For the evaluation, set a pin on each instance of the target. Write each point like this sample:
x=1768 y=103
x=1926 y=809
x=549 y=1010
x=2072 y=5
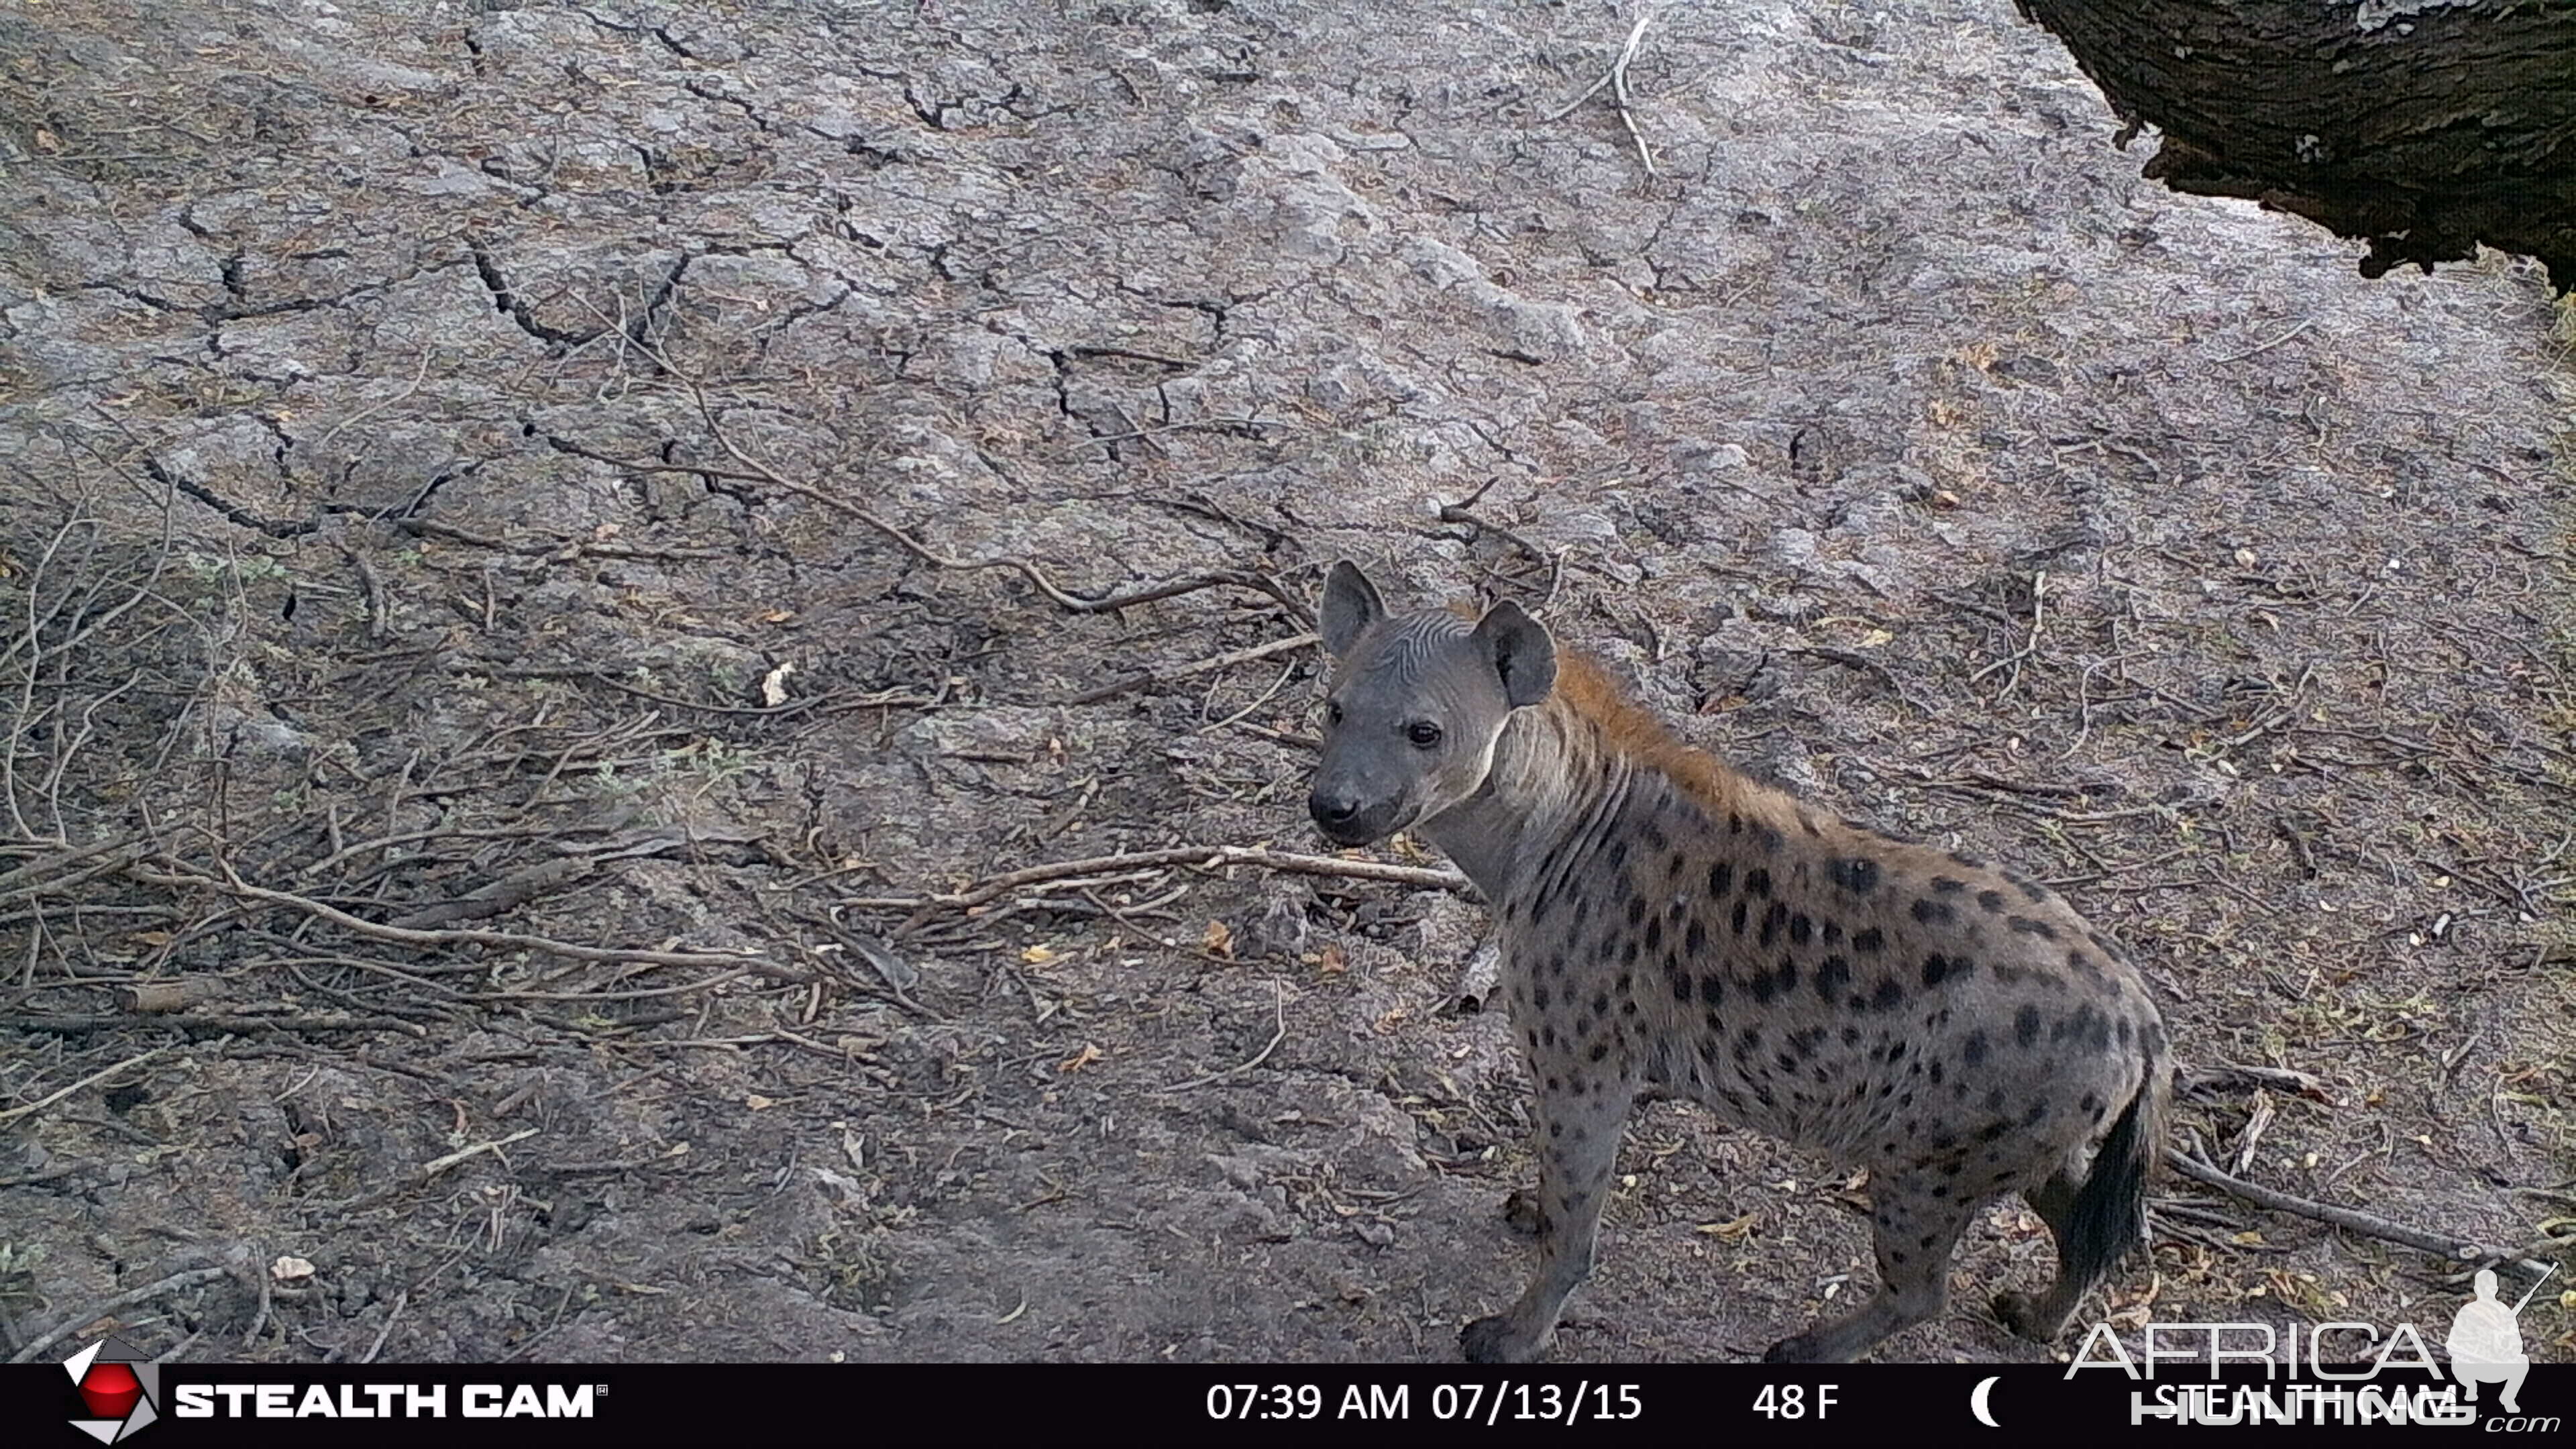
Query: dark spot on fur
x=1888 y=994
x=1628 y=953
x=1695 y=939
x=2124 y=1031
x=1712 y=989
x=1757 y=881
x=1600 y=1049
x=1748 y=1041
x=1547 y=1035
x=1538 y=998
x=1734 y=824
x=1928 y=910
x=1973 y=1051
x=1770 y=840
x=2028 y=927
x=1936 y=969
x=1851 y=1036
x=1772 y=920
x=1655 y=935
x=1853 y=873
x=1601 y=1003
x=1948 y=885
x=1991 y=901
x=1993 y=1130
x=1832 y=975
x=1681 y=984
x=1721 y=879
x=1801 y=930
x=2026 y=1026
x=2038 y=893
x=1737 y=918
x=1967 y=862
x=1636 y=909
x=1936 y=1071
x=1830 y=933
x=2035 y=1114
x=1872 y=939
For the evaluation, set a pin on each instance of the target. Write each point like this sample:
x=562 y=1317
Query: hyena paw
x=1495 y=1340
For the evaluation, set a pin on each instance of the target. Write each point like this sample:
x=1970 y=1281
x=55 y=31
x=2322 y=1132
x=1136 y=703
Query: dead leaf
x=759 y=1103
x=773 y=689
x=1219 y=940
x=1733 y=1232
x=1081 y=1059
x=290 y=1270
x=1036 y=956
x=1336 y=960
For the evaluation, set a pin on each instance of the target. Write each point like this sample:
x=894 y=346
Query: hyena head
x=1418 y=699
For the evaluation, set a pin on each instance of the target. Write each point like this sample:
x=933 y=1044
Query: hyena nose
x=1332 y=809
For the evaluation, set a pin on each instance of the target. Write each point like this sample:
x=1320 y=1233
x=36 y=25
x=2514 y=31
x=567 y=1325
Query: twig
x=502 y=940
x=1177 y=855
x=2014 y=660
x=2456 y=1249
x=1616 y=78
x=364 y=413
x=2265 y=346
x=14 y=1113
x=1222 y=661
x=149 y=1291
x=378 y=1346
x=423 y=1173
x=1279 y=992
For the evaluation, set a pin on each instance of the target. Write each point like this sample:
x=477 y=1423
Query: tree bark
x=2424 y=126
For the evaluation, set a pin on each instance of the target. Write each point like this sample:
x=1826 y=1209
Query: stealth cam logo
x=120 y=1387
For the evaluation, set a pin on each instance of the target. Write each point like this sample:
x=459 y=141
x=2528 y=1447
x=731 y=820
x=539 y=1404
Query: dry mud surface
x=453 y=460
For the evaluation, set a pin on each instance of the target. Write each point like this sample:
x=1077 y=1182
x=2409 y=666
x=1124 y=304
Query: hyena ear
x=1351 y=604
x=1523 y=653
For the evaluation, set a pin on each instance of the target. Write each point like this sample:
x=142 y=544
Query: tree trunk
x=2425 y=126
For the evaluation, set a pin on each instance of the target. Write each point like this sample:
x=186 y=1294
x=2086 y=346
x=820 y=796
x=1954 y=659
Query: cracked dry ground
x=1894 y=438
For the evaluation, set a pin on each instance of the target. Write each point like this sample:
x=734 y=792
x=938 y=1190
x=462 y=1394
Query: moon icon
x=1977 y=1401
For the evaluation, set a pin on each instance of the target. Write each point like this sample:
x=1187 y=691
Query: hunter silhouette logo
x=2486 y=1341
x=120 y=1386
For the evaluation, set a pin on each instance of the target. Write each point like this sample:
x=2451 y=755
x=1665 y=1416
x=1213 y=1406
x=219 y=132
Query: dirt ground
x=495 y=511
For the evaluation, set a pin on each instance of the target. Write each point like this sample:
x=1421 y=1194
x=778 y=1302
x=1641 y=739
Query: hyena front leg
x=1582 y=1105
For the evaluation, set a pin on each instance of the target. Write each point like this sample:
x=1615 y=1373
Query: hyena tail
x=2109 y=1214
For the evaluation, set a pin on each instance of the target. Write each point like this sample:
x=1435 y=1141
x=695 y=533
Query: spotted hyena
x=1667 y=924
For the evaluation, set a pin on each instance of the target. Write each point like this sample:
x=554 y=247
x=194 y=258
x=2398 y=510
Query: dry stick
x=1617 y=79
x=2455 y=1249
x=1279 y=1003
x=420 y=1175
x=378 y=1346
x=1178 y=855
x=1222 y=661
x=14 y=1113
x=149 y=1291
x=504 y=940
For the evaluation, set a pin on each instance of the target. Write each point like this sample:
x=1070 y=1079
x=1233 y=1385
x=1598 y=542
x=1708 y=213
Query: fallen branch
x=1280 y=860
x=14 y=1113
x=2456 y=1249
x=235 y=886
x=87 y=1316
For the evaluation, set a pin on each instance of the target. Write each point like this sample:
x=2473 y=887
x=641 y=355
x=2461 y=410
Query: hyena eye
x=1423 y=733
x=1332 y=712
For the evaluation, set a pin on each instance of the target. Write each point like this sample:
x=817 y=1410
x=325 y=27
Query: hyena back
x=1666 y=923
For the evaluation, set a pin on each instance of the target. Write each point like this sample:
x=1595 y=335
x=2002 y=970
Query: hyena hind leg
x=1914 y=1234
